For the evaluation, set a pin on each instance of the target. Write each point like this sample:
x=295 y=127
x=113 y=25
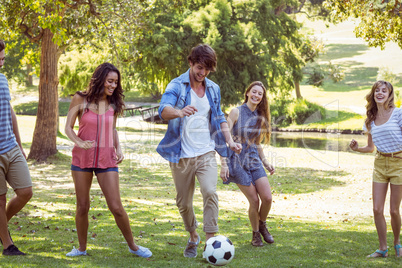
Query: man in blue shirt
x=197 y=128
x=13 y=166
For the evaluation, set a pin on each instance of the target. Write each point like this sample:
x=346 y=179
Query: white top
x=196 y=137
x=388 y=136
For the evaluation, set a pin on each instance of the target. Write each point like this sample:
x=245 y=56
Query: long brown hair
x=96 y=89
x=264 y=116
x=371 y=106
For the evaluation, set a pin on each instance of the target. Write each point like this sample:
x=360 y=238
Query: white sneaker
x=141 y=252
x=76 y=252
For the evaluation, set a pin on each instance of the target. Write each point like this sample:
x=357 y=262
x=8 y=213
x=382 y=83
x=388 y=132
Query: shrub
x=304 y=112
x=279 y=113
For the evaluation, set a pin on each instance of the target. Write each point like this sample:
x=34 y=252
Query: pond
x=316 y=141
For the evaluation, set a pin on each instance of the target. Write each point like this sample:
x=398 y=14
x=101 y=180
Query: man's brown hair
x=205 y=55
x=2 y=45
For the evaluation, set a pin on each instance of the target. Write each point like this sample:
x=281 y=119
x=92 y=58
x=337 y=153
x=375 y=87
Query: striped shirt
x=388 y=136
x=7 y=137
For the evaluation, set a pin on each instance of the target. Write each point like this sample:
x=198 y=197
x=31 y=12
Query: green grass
x=136 y=96
x=45 y=228
x=31 y=108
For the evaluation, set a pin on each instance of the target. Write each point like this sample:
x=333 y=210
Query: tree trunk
x=297 y=87
x=29 y=81
x=45 y=133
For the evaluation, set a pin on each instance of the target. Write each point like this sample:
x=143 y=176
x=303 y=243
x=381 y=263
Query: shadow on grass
x=339 y=51
x=297 y=243
x=356 y=78
x=304 y=180
x=45 y=228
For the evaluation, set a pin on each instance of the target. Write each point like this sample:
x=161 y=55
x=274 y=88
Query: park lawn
x=45 y=228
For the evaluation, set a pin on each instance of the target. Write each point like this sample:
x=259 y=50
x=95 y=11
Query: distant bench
x=148 y=114
x=133 y=110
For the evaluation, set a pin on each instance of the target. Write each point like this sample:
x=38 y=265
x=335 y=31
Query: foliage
x=76 y=68
x=379 y=21
x=55 y=25
x=386 y=74
x=254 y=40
x=304 y=112
x=319 y=72
x=279 y=112
x=20 y=53
x=31 y=108
x=300 y=111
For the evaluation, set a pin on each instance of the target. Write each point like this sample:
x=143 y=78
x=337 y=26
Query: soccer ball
x=219 y=250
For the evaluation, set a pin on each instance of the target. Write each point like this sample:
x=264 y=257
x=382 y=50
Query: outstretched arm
x=227 y=127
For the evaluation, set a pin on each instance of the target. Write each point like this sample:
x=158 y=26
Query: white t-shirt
x=196 y=136
x=388 y=136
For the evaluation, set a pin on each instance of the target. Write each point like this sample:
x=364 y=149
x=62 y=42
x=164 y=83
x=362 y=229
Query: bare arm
x=116 y=143
x=226 y=129
x=169 y=112
x=76 y=107
x=369 y=148
x=264 y=161
x=15 y=130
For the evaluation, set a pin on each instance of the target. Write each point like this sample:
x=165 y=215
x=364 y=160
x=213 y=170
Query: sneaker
x=191 y=248
x=76 y=252
x=141 y=252
x=12 y=251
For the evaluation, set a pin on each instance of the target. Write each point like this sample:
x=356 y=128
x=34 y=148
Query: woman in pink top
x=97 y=150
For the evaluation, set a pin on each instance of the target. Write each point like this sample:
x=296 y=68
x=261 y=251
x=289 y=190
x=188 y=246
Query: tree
x=20 y=60
x=55 y=25
x=380 y=20
x=253 y=39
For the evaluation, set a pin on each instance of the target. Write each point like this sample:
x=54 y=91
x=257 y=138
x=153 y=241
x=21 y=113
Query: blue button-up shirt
x=177 y=95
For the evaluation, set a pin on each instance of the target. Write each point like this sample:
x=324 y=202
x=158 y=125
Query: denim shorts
x=94 y=170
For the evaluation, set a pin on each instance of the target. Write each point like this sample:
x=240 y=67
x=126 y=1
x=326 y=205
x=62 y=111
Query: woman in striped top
x=384 y=128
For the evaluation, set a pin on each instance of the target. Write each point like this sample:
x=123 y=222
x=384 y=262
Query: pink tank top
x=98 y=128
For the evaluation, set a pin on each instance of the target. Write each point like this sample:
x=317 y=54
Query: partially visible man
x=13 y=165
x=197 y=127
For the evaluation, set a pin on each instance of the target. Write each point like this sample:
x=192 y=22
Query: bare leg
x=82 y=183
x=18 y=201
x=207 y=236
x=109 y=183
x=264 y=191
x=5 y=238
x=253 y=212
x=395 y=203
x=379 y=194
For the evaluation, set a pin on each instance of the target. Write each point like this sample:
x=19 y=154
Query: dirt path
x=345 y=202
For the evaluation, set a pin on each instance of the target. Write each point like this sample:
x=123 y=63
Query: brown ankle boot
x=257 y=242
x=265 y=233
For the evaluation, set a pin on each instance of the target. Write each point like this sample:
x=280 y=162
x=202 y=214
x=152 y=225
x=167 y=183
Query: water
x=316 y=141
